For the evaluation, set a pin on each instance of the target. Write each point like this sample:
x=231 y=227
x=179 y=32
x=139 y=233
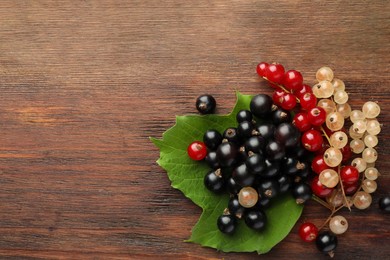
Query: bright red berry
x=312 y=140
x=293 y=80
x=308 y=101
x=261 y=68
x=197 y=150
x=318 y=189
x=350 y=189
x=301 y=121
x=275 y=73
x=317 y=116
x=318 y=164
x=277 y=97
x=349 y=175
x=289 y=101
x=346 y=152
x=304 y=89
x=308 y=232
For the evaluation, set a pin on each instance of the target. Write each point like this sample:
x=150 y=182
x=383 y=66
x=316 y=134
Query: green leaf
x=187 y=176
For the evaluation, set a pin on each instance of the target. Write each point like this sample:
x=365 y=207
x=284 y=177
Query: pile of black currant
x=255 y=161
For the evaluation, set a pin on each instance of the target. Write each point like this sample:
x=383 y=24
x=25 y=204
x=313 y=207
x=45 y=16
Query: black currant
x=268 y=188
x=326 y=242
x=232 y=186
x=235 y=207
x=272 y=169
x=280 y=116
x=304 y=170
x=297 y=151
x=384 y=203
x=289 y=165
x=244 y=115
x=266 y=130
x=231 y=135
x=287 y=134
x=242 y=176
x=212 y=139
x=274 y=150
x=227 y=224
x=226 y=154
x=212 y=160
x=244 y=129
x=214 y=181
x=264 y=202
x=302 y=192
x=256 y=219
x=261 y=105
x=206 y=104
x=284 y=183
x=255 y=144
x=255 y=163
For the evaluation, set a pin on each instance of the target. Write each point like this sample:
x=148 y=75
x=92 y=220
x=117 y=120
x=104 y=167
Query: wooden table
x=83 y=84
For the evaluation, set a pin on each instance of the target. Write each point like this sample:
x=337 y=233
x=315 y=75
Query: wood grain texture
x=83 y=84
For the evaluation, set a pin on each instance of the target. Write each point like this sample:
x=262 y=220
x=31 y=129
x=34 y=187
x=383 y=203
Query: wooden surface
x=83 y=84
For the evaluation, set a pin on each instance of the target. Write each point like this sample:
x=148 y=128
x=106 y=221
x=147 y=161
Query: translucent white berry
x=338 y=225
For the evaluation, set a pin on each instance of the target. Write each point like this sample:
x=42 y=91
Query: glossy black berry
x=235 y=207
x=227 y=224
x=268 y=188
x=302 y=192
x=226 y=154
x=261 y=105
x=244 y=129
x=242 y=176
x=256 y=163
x=205 y=104
x=272 y=169
x=287 y=134
x=264 y=202
x=284 y=183
x=212 y=160
x=266 y=130
x=256 y=219
x=384 y=204
x=212 y=139
x=326 y=242
x=274 y=150
x=304 y=170
x=232 y=186
x=244 y=115
x=290 y=165
x=280 y=116
x=214 y=181
x=255 y=144
x=231 y=135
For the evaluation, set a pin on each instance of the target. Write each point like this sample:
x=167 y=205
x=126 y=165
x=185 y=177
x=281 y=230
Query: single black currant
x=290 y=165
x=287 y=134
x=266 y=130
x=272 y=169
x=231 y=135
x=232 y=186
x=261 y=105
x=264 y=202
x=304 y=170
x=212 y=160
x=384 y=203
x=268 y=188
x=242 y=175
x=326 y=242
x=206 y=104
x=214 y=181
x=274 y=150
x=226 y=154
x=227 y=224
x=244 y=115
x=256 y=163
x=284 y=183
x=302 y=192
x=255 y=144
x=235 y=207
x=255 y=219
x=244 y=129
x=280 y=116
x=212 y=139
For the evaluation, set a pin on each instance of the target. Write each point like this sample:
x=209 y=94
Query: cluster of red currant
x=340 y=179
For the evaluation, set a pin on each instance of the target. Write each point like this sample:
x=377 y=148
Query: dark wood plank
x=83 y=84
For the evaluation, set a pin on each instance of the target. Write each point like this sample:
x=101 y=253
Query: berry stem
x=325 y=134
x=342 y=189
x=334 y=210
x=323 y=203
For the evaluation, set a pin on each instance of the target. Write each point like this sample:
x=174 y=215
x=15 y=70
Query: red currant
x=301 y=121
x=308 y=232
x=349 y=175
x=308 y=101
x=312 y=140
x=318 y=189
x=318 y=164
x=305 y=89
x=347 y=152
x=275 y=73
x=350 y=189
x=261 y=69
x=277 y=97
x=197 y=150
x=293 y=80
x=289 y=101
x=317 y=116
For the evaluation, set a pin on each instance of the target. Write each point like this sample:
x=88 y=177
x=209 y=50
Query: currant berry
x=256 y=219
x=205 y=104
x=247 y=197
x=244 y=115
x=328 y=105
x=266 y=130
x=227 y=224
x=286 y=134
x=242 y=176
x=329 y=178
x=369 y=186
x=333 y=157
x=346 y=152
x=338 y=139
x=275 y=150
x=197 y=150
x=301 y=192
x=226 y=154
x=324 y=89
x=244 y=129
x=312 y=140
x=212 y=160
x=308 y=232
x=308 y=101
x=305 y=89
x=319 y=189
x=301 y=121
x=324 y=73
x=290 y=166
x=261 y=69
x=280 y=116
x=349 y=175
x=214 y=181
x=362 y=200
x=289 y=101
x=318 y=164
x=272 y=169
x=268 y=188
x=231 y=135
x=316 y=116
x=275 y=73
x=350 y=189
x=338 y=84
x=235 y=207
x=335 y=121
x=284 y=183
x=255 y=163
x=293 y=80
x=371 y=110
x=261 y=105
x=212 y=139
x=255 y=144
x=326 y=242
x=232 y=186
x=384 y=204
x=277 y=97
